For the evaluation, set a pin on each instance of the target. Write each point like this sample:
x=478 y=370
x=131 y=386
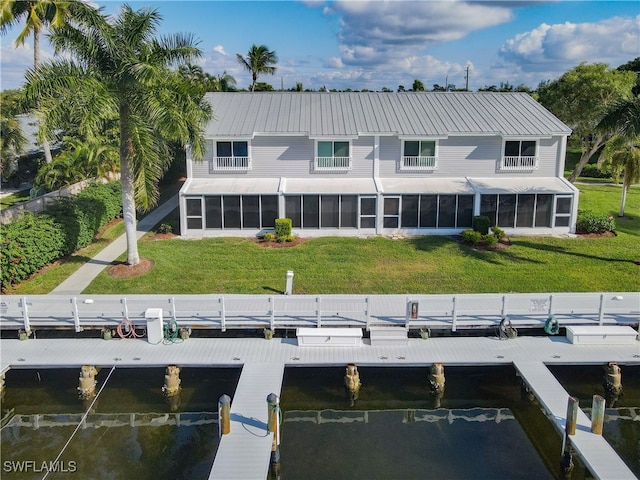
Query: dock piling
x=87 y=382
x=352 y=383
x=224 y=415
x=597 y=414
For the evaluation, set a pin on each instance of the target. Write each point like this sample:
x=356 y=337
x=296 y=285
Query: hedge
x=589 y=222
x=34 y=240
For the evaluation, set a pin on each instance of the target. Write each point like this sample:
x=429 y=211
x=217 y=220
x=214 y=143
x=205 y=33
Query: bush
x=164 y=228
x=490 y=239
x=287 y=238
x=283 y=227
x=592 y=171
x=471 y=236
x=498 y=232
x=589 y=222
x=33 y=241
x=269 y=237
x=481 y=223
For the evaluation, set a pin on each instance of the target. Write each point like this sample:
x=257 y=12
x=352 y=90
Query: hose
x=171 y=333
x=129 y=329
x=552 y=326
x=506 y=329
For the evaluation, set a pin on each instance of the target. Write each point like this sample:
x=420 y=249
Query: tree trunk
x=128 y=199
x=587 y=153
x=623 y=199
x=36 y=64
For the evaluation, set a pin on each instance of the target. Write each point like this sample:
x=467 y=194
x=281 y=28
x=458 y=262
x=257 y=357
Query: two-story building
x=378 y=163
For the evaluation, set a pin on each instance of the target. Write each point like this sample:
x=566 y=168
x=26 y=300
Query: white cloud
x=220 y=50
x=614 y=41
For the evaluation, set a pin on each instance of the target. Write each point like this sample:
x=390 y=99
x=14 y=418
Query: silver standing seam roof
x=406 y=114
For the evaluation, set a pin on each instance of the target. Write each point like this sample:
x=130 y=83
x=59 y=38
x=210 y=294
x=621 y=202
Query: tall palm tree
x=37 y=15
x=622 y=152
x=259 y=60
x=128 y=71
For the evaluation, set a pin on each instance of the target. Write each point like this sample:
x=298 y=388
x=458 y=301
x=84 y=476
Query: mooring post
x=597 y=414
x=87 y=382
x=224 y=415
x=436 y=378
x=171 y=385
x=352 y=382
x=273 y=426
x=566 y=460
x=613 y=379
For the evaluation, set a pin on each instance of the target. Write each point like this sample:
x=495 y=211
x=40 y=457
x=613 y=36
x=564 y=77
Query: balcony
x=518 y=164
x=332 y=164
x=420 y=164
x=230 y=164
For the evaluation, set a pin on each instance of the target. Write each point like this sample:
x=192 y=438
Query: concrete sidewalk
x=81 y=278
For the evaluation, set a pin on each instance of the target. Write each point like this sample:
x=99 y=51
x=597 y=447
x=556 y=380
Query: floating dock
x=245 y=453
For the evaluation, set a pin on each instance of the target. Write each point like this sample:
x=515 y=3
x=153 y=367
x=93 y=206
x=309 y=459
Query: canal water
x=168 y=440
x=483 y=426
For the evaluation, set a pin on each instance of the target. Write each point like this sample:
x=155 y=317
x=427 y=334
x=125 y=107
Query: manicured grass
x=430 y=264
x=17 y=197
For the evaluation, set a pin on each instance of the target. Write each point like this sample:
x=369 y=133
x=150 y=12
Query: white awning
x=399 y=185
x=231 y=185
x=521 y=185
x=332 y=185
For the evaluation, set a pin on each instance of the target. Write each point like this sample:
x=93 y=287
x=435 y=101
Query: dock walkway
x=595 y=451
x=244 y=453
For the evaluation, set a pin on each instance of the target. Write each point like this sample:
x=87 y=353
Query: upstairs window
x=332 y=156
x=519 y=155
x=419 y=155
x=231 y=156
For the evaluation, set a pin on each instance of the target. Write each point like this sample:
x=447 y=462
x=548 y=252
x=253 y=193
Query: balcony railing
x=332 y=164
x=519 y=164
x=419 y=163
x=230 y=164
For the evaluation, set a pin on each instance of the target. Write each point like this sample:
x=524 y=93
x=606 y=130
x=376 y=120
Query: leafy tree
x=263 y=87
x=418 y=86
x=129 y=69
x=622 y=152
x=225 y=82
x=580 y=97
x=633 y=66
x=401 y=88
x=38 y=15
x=259 y=60
x=12 y=141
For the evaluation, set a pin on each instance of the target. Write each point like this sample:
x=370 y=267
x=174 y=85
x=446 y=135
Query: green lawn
x=430 y=264
x=17 y=197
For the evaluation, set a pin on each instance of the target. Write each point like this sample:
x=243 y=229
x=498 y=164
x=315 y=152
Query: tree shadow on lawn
x=563 y=251
x=495 y=257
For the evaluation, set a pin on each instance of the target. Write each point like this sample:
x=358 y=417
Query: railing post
x=601 y=312
x=223 y=317
x=318 y=313
x=272 y=320
x=504 y=306
x=454 y=325
x=366 y=312
x=126 y=308
x=25 y=316
x=76 y=316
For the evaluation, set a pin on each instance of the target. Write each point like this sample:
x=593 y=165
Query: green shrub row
x=591 y=170
x=589 y=222
x=283 y=227
x=34 y=240
x=474 y=236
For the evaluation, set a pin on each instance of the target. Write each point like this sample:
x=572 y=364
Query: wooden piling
x=224 y=415
x=597 y=414
x=572 y=416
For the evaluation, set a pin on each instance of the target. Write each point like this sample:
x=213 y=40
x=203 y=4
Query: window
x=391 y=212
x=428 y=211
x=563 y=211
x=368 y=212
x=419 y=155
x=323 y=211
x=194 y=213
x=330 y=211
x=240 y=211
x=544 y=205
x=348 y=211
x=410 y=205
x=332 y=156
x=526 y=210
x=231 y=156
x=519 y=155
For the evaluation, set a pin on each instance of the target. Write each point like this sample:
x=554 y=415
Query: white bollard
x=289 y=287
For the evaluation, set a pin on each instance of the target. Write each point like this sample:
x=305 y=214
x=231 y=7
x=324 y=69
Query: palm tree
x=128 y=71
x=259 y=60
x=38 y=15
x=622 y=152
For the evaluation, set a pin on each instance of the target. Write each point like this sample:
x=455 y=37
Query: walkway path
x=81 y=278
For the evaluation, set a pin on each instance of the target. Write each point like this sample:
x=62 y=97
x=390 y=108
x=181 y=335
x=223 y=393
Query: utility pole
x=467 y=78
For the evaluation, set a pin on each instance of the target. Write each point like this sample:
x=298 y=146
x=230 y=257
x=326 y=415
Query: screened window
x=330 y=211
x=368 y=212
x=447 y=211
x=465 y=211
x=525 y=210
x=563 y=211
x=506 y=210
x=349 y=211
x=488 y=207
x=310 y=211
x=194 y=213
x=428 y=211
x=250 y=211
x=391 y=212
x=240 y=211
x=213 y=207
x=269 y=210
x=544 y=207
x=231 y=211
x=293 y=209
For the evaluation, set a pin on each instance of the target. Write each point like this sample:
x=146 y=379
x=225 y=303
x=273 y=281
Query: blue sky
x=375 y=44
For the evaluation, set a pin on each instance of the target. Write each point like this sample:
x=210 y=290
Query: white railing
x=518 y=164
x=230 y=164
x=222 y=312
x=332 y=164
x=418 y=163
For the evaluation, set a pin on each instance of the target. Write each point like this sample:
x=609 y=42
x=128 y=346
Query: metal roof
x=349 y=114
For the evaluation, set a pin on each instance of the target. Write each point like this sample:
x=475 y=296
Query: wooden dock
x=595 y=451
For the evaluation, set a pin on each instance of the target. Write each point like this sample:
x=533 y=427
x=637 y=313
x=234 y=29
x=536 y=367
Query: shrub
x=269 y=237
x=490 y=239
x=498 y=232
x=283 y=227
x=471 y=236
x=287 y=238
x=164 y=228
x=589 y=222
x=592 y=171
x=481 y=223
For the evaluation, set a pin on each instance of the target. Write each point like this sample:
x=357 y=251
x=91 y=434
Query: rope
x=171 y=333
x=84 y=417
x=129 y=329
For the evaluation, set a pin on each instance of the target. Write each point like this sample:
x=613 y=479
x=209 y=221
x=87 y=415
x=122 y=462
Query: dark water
x=484 y=426
x=109 y=448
